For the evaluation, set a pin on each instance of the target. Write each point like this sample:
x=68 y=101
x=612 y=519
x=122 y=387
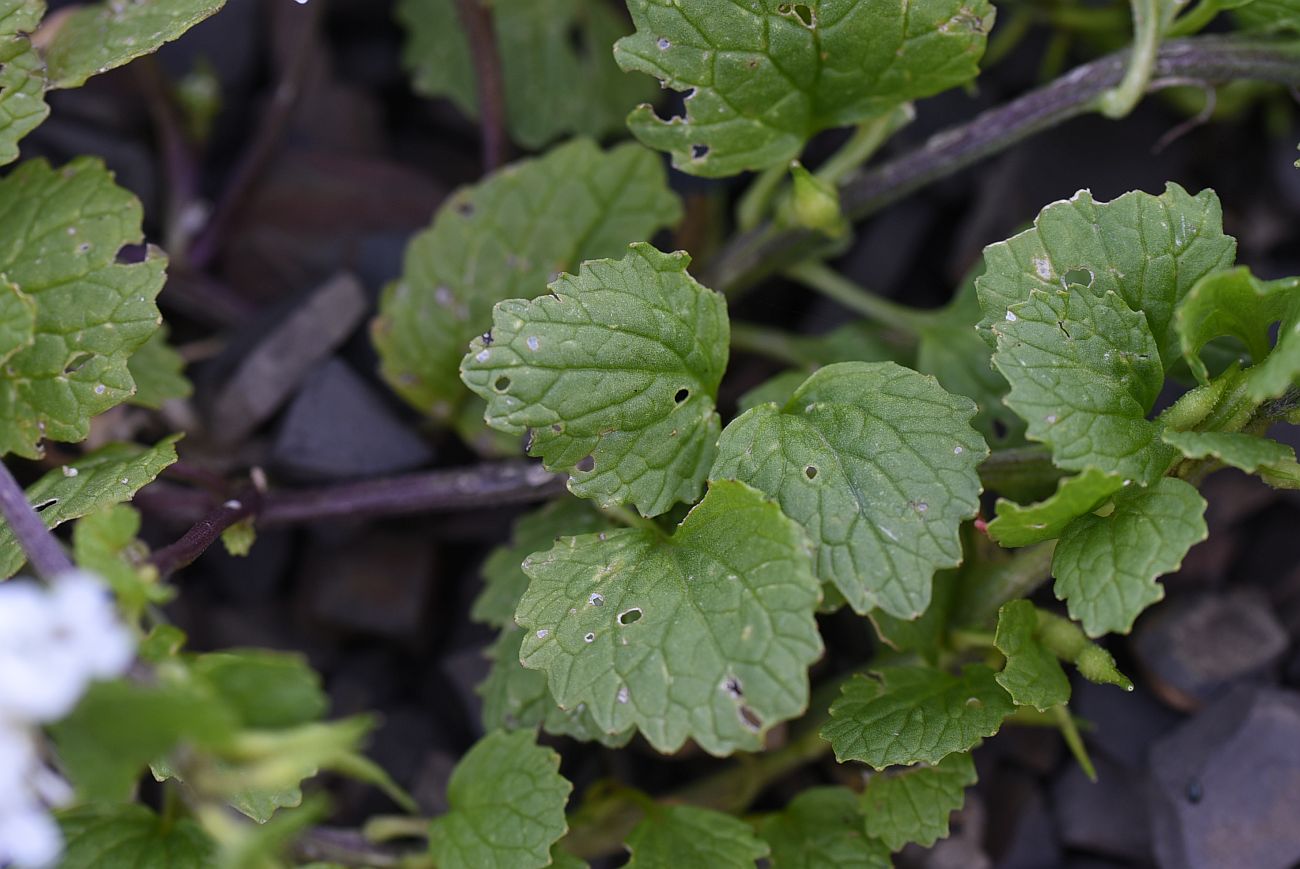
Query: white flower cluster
x=54 y=639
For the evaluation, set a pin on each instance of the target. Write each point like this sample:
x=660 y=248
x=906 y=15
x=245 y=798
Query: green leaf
x=1235 y=303
x=265 y=689
x=1244 y=451
x=504 y=238
x=131 y=836
x=1021 y=525
x=22 y=80
x=156 y=369
x=515 y=698
x=776 y=390
x=706 y=634
x=615 y=374
x=60 y=233
x=110 y=475
x=878 y=463
x=1084 y=371
x=102 y=36
x=1149 y=250
x=506 y=800
x=1032 y=675
x=119 y=727
x=822 y=827
x=105 y=543
x=913 y=804
x=924 y=635
x=672 y=837
x=258 y=803
x=1106 y=567
x=558 y=74
x=763 y=76
x=504 y=581
x=1269 y=15
x=915 y=714
x=239 y=538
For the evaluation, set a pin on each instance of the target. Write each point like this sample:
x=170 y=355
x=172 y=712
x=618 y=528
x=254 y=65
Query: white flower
x=29 y=838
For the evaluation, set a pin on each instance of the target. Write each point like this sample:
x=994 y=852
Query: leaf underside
x=913 y=804
x=678 y=836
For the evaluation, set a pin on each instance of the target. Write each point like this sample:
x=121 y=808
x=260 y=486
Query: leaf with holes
x=102 y=36
x=878 y=463
x=506 y=806
x=763 y=76
x=704 y=634
x=557 y=71
x=504 y=582
x=516 y=698
x=676 y=836
x=1032 y=675
x=913 y=804
x=22 y=80
x=134 y=836
x=614 y=375
x=110 y=475
x=915 y=715
x=1148 y=250
x=60 y=234
x=1106 y=566
x=1084 y=372
x=1021 y=525
x=822 y=827
x=507 y=237
x=1237 y=304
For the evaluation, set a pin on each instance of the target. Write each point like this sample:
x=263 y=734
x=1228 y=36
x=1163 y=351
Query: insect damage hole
x=45 y=505
x=501 y=384
x=699 y=152
x=750 y=718
x=682 y=395
x=630 y=616
x=810 y=472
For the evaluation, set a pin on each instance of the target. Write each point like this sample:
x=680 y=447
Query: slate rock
x=1126 y=723
x=338 y=428
x=1226 y=785
x=379 y=582
x=1106 y=817
x=1022 y=833
x=1192 y=649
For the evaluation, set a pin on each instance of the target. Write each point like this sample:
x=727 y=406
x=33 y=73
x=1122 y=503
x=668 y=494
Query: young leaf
x=878 y=463
x=913 y=804
x=104 y=542
x=506 y=801
x=1244 y=451
x=61 y=231
x=101 y=36
x=558 y=73
x=764 y=76
x=1084 y=371
x=705 y=634
x=915 y=715
x=1020 y=525
x=672 y=837
x=1235 y=303
x=156 y=369
x=1032 y=675
x=504 y=581
x=110 y=475
x=1106 y=567
x=103 y=836
x=515 y=698
x=1149 y=250
x=615 y=374
x=265 y=689
x=1268 y=15
x=22 y=81
x=504 y=238
x=822 y=827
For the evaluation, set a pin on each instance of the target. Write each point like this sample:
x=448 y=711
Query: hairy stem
x=205 y=532
x=832 y=284
x=476 y=18
x=42 y=548
x=1121 y=99
x=754 y=255
x=766 y=341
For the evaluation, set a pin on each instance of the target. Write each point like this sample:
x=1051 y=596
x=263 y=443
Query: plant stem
x=476 y=18
x=1016 y=577
x=757 y=200
x=632 y=519
x=766 y=341
x=42 y=548
x=832 y=284
x=865 y=142
x=205 y=532
x=1019 y=471
x=765 y=250
x=1121 y=99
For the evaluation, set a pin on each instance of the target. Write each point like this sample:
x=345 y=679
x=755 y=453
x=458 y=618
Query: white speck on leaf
x=543 y=634
x=1011 y=318
x=533 y=343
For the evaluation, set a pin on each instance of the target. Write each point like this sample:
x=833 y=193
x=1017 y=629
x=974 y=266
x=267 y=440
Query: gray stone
x=337 y=428
x=1193 y=649
x=1106 y=817
x=1226 y=785
x=1126 y=723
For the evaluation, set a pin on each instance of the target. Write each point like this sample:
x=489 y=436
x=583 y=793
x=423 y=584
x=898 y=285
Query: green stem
x=756 y=202
x=970 y=639
x=1018 y=471
x=766 y=341
x=833 y=285
x=1016 y=577
x=1196 y=20
x=631 y=519
x=1070 y=731
x=864 y=143
x=1119 y=101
